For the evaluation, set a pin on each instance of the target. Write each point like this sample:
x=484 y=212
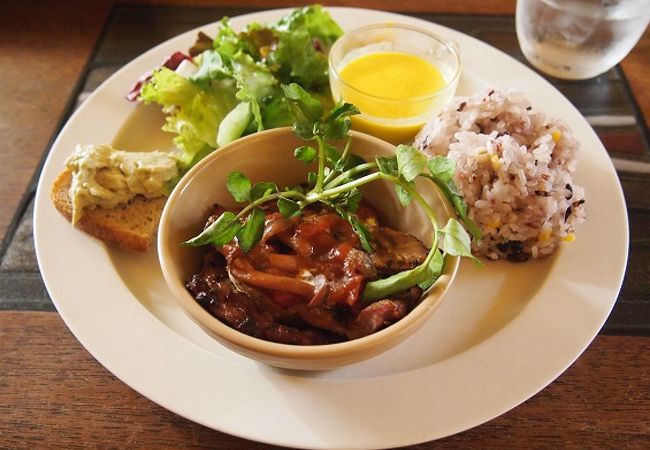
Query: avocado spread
x=105 y=177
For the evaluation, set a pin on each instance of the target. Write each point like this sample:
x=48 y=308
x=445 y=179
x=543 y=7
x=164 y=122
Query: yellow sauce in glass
x=393 y=91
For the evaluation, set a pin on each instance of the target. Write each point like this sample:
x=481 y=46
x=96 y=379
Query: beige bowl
x=268 y=156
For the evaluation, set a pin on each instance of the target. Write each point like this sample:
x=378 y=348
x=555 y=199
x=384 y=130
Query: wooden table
x=55 y=394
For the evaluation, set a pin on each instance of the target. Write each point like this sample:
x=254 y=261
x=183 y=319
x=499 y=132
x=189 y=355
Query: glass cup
x=396 y=120
x=579 y=39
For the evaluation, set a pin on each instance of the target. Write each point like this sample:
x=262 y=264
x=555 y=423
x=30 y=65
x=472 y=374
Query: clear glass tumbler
x=579 y=39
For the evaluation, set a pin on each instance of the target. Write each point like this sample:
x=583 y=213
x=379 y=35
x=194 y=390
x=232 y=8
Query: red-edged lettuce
x=236 y=88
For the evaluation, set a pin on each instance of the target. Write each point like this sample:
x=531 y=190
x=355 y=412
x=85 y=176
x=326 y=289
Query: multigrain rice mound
x=514 y=168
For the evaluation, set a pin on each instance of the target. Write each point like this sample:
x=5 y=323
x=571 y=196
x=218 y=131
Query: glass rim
x=448 y=44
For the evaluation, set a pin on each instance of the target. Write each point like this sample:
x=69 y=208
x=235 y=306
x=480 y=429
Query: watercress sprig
x=336 y=183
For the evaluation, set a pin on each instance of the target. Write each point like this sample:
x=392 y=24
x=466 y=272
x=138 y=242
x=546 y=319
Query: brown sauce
x=302 y=283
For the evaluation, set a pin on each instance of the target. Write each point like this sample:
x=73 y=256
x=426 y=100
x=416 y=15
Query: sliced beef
x=302 y=283
x=377 y=315
x=412 y=296
x=221 y=299
x=358 y=262
x=256 y=316
x=320 y=317
x=396 y=251
x=243 y=314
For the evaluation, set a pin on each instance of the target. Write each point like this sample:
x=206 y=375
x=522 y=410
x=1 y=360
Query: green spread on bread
x=105 y=177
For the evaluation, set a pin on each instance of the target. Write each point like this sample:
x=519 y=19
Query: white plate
x=502 y=334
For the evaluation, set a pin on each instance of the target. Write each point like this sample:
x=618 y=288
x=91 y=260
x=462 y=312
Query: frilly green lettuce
x=237 y=87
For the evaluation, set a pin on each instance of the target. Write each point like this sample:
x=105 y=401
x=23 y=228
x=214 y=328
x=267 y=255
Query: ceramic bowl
x=268 y=156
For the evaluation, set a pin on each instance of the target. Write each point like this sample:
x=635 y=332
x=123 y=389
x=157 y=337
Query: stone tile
x=20 y=255
x=98 y=75
x=134 y=29
x=24 y=292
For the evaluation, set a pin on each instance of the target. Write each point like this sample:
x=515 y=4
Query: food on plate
x=105 y=177
x=302 y=283
x=230 y=86
x=222 y=89
x=514 y=168
x=390 y=75
x=397 y=76
x=114 y=195
x=313 y=264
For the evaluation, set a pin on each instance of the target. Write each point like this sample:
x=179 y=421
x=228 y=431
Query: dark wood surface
x=54 y=394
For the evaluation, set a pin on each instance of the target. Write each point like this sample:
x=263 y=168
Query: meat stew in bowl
x=270 y=155
x=302 y=283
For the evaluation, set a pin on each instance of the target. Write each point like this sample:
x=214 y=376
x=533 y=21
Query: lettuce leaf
x=239 y=79
x=304 y=39
x=315 y=21
x=193 y=113
x=211 y=67
x=255 y=83
x=228 y=42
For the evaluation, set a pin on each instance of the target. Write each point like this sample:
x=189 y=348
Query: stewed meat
x=396 y=251
x=376 y=316
x=302 y=283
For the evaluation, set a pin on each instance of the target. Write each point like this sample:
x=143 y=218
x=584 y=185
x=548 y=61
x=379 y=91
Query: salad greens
x=236 y=87
x=336 y=183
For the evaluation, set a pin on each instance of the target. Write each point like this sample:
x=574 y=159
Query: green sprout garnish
x=336 y=184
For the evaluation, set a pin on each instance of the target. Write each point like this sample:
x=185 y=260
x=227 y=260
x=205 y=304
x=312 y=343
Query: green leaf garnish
x=239 y=186
x=337 y=123
x=305 y=108
x=442 y=168
x=348 y=161
x=337 y=182
x=387 y=166
x=434 y=269
x=332 y=154
x=251 y=233
x=220 y=232
x=342 y=110
x=396 y=283
x=350 y=200
x=451 y=193
x=305 y=153
x=287 y=207
x=261 y=190
x=364 y=235
x=410 y=161
x=456 y=241
x=403 y=195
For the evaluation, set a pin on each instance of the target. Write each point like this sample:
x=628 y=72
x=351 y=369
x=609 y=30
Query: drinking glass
x=579 y=39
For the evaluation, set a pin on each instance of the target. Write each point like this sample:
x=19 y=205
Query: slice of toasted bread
x=132 y=226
